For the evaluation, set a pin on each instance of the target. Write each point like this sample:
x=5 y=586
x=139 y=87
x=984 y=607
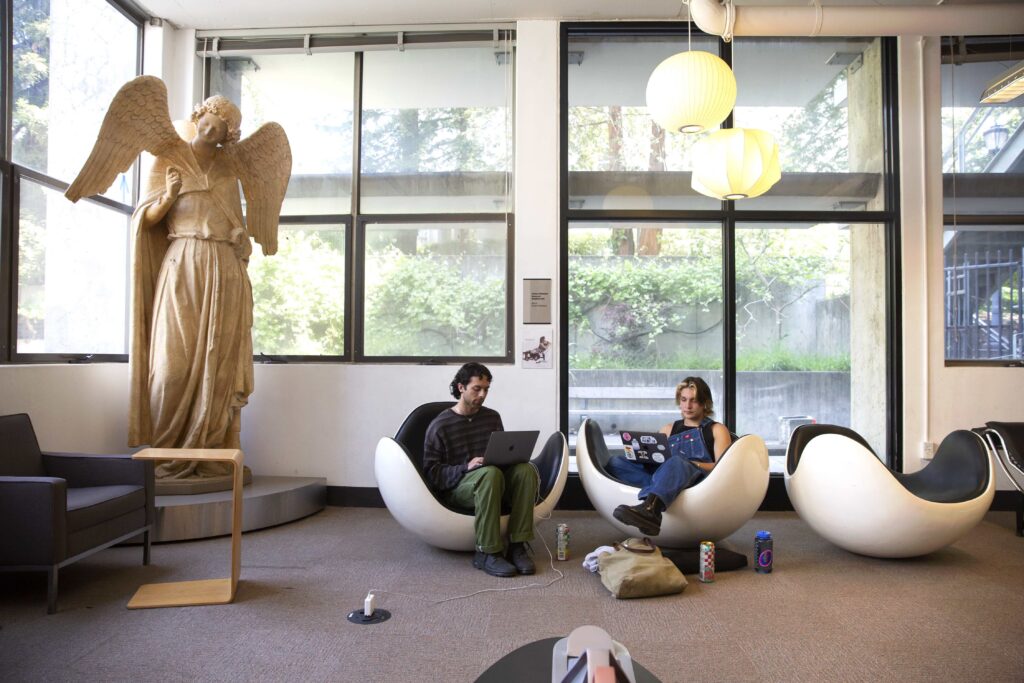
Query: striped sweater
x=453 y=440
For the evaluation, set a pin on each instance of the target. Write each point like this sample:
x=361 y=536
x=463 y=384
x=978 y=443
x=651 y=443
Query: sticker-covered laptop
x=645 y=447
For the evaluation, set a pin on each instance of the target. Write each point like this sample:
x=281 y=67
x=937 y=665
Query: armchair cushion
x=92 y=505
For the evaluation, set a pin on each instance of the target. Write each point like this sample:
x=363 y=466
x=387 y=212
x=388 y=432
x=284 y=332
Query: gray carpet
x=824 y=614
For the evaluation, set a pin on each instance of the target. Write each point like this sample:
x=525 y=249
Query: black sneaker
x=646 y=516
x=518 y=554
x=493 y=564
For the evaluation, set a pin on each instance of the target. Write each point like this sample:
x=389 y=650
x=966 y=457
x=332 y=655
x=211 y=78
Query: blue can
x=763 y=555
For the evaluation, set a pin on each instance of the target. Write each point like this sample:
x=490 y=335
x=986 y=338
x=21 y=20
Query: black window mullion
x=6 y=75
x=354 y=253
x=729 y=319
x=563 y=232
x=893 y=265
x=7 y=326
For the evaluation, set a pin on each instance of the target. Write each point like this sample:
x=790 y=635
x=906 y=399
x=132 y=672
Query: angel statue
x=191 y=332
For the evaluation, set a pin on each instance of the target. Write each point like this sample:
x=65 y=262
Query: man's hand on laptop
x=475 y=462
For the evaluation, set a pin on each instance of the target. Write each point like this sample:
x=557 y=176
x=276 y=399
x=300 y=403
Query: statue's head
x=222 y=107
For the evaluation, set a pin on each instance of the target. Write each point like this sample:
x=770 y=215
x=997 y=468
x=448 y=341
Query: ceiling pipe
x=726 y=20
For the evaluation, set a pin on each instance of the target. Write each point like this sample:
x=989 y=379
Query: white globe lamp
x=691 y=92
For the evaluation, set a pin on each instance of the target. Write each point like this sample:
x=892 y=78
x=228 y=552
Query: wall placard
x=536 y=301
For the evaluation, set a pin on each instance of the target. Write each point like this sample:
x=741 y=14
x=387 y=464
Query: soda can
x=707 y=562
x=763 y=552
x=562 y=541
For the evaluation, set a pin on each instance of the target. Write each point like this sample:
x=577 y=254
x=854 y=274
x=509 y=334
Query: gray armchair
x=60 y=507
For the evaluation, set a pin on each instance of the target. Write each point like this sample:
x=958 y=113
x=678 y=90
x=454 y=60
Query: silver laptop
x=510 y=448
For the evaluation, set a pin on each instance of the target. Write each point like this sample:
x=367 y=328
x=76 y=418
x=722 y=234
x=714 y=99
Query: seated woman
x=696 y=443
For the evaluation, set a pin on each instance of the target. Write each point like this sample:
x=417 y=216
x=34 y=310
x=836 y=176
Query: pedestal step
x=268 y=501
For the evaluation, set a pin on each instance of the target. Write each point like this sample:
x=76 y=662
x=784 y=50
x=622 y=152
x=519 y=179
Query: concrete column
x=868 y=408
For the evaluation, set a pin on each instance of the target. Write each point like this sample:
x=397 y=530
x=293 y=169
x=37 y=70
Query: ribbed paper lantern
x=735 y=163
x=690 y=92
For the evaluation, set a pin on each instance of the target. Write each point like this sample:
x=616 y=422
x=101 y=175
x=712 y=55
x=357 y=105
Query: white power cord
x=551 y=560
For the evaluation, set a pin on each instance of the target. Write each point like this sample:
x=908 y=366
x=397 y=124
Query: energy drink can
x=707 y=562
x=562 y=541
x=764 y=555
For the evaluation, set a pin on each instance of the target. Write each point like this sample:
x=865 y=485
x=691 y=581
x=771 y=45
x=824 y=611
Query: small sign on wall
x=537 y=301
x=538 y=348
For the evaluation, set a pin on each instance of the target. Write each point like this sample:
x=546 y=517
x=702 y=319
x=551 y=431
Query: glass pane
x=619 y=158
x=70 y=57
x=982 y=144
x=984 y=270
x=822 y=100
x=299 y=293
x=311 y=97
x=645 y=310
x=810 y=330
x=72 y=274
x=437 y=131
x=436 y=290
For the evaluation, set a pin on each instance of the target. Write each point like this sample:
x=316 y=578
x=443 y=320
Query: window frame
x=355 y=222
x=446 y=219
x=728 y=215
x=10 y=201
x=954 y=219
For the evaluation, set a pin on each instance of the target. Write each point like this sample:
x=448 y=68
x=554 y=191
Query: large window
x=782 y=302
x=983 y=193
x=396 y=229
x=71 y=261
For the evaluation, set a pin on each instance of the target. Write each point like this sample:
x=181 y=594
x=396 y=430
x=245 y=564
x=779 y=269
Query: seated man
x=453 y=463
x=698 y=446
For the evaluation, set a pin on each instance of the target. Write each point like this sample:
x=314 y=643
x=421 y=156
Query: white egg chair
x=716 y=507
x=398 y=467
x=846 y=494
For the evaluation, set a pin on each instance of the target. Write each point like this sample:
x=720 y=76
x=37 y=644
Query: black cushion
x=596 y=447
x=548 y=463
x=959 y=471
x=19 y=449
x=414 y=430
x=803 y=434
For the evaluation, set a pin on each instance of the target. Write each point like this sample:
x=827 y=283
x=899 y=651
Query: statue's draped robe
x=191 y=346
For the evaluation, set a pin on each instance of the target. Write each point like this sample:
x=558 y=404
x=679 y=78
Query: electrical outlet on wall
x=927 y=450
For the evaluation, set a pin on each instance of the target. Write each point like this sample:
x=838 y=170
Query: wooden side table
x=204 y=591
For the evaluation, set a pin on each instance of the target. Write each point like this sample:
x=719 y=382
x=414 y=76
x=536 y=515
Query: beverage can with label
x=764 y=554
x=707 y=562
x=562 y=541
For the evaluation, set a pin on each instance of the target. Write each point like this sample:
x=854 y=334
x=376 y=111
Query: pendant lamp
x=690 y=92
x=735 y=163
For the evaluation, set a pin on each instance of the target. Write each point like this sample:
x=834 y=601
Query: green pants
x=484 y=489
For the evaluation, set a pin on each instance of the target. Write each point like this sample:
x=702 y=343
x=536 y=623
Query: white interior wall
x=323 y=419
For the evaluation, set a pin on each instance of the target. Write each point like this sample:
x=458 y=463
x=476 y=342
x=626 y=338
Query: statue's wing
x=138 y=119
x=263 y=162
